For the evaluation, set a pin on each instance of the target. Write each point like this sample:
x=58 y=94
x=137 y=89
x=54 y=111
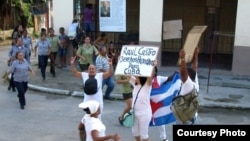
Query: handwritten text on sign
x=136 y=60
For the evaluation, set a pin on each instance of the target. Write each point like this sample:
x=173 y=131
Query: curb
x=48 y=90
x=77 y=94
x=119 y=97
x=225 y=106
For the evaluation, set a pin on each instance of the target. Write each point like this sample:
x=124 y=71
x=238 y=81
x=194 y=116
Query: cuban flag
x=161 y=100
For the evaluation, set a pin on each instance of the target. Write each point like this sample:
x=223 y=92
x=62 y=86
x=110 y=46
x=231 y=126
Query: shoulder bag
x=128 y=119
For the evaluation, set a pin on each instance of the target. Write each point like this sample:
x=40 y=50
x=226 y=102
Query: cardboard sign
x=136 y=60
x=191 y=42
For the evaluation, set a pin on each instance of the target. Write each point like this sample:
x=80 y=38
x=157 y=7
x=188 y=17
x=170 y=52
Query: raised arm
x=73 y=68
x=110 y=72
x=183 y=66
x=150 y=79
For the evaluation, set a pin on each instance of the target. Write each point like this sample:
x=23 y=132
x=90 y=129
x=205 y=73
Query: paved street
x=49 y=117
x=55 y=118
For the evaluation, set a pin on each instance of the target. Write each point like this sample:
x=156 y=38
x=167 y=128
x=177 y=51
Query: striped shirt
x=20 y=70
x=43 y=47
x=102 y=63
x=14 y=49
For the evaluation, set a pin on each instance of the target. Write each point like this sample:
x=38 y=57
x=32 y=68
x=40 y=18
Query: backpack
x=90 y=86
x=184 y=107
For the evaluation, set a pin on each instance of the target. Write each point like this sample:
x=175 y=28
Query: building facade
x=227 y=18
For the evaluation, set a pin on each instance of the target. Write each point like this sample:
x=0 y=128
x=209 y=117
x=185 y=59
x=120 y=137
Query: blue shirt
x=14 y=49
x=20 y=70
x=43 y=47
x=27 y=42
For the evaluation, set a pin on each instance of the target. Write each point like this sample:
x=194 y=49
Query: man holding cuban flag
x=164 y=89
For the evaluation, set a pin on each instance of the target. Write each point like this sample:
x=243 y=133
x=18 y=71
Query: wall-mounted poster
x=112 y=15
x=136 y=60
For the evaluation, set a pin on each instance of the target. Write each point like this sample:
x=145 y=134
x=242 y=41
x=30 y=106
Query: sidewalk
x=225 y=89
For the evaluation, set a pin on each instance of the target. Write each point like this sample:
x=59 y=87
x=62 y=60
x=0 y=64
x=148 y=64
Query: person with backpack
x=92 y=86
x=190 y=85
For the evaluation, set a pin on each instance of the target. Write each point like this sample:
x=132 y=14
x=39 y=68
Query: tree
x=13 y=12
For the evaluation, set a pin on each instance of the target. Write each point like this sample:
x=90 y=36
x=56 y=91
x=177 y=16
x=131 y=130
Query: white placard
x=173 y=25
x=172 y=35
x=136 y=60
x=112 y=15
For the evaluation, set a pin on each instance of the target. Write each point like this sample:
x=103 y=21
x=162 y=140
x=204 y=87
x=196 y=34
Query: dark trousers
x=43 y=61
x=52 y=58
x=21 y=89
x=11 y=83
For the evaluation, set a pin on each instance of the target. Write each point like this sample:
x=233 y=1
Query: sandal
x=120 y=121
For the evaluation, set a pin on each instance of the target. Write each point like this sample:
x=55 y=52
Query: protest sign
x=191 y=42
x=136 y=60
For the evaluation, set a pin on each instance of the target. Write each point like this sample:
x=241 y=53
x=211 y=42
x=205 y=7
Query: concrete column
x=62 y=14
x=241 y=63
x=150 y=32
x=63 y=17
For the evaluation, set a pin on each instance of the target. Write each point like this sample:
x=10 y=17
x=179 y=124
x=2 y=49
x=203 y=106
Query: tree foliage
x=13 y=12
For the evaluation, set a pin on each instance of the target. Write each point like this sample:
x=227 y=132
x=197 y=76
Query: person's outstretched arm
x=183 y=66
x=73 y=68
x=110 y=72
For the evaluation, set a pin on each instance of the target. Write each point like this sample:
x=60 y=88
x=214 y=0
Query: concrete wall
x=62 y=17
x=62 y=14
x=241 y=63
x=151 y=13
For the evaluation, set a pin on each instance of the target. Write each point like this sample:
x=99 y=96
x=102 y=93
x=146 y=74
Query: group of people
x=133 y=87
x=45 y=48
x=49 y=46
x=19 y=63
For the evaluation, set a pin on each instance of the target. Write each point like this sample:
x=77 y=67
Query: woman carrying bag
x=142 y=108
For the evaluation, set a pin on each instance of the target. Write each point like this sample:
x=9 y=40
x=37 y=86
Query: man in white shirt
x=189 y=77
